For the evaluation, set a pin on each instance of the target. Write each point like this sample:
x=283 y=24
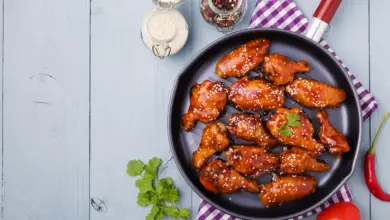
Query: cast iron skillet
x=325 y=68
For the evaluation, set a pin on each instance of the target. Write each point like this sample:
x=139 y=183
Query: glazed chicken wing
x=314 y=94
x=214 y=139
x=252 y=160
x=249 y=127
x=292 y=127
x=207 y=102
x=218 y=177
x=280 y=70
x=287 y=188
x=244 y=59
x=255 y=94
x=334 y=141
x=297 y=160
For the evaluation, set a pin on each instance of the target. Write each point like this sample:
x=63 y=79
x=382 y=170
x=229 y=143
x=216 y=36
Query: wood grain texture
x=46 y=108
x=1 y=113
x=380 y=84
x=130 y=90
x=351 y=44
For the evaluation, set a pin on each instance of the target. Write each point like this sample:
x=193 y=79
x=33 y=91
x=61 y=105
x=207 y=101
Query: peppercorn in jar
x=224 y=14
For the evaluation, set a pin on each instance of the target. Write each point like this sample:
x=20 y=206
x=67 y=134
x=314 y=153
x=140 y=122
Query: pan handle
x=321 y=19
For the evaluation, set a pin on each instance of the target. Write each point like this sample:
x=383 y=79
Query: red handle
x=327 y=9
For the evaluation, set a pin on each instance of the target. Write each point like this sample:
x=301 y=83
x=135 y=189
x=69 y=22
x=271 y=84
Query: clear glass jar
x=164 y=30
x=223 y=14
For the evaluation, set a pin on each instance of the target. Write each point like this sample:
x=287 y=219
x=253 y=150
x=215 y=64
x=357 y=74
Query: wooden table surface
x=81 y=95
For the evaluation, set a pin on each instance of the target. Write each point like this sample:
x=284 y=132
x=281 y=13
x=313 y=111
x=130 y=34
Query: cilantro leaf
x=171 y=211
x=148 y=198
x=143 y=199
x=152 y=166
x=294 y=124
x=286 y=132
x=160 y=215
x=153 y=212
x=163 y=184
x=155 y=191
x=169 y=194
x=145 y=184
x=184 y=213
x=291 y=117
x=292 y=121
x=135 y=167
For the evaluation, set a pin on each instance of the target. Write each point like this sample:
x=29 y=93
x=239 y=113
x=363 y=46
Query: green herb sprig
x=161 y=194
x=293 y=120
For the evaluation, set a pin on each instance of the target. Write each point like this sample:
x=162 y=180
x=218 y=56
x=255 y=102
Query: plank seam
x=90 y=106
x=369 y=87
x=2 y=117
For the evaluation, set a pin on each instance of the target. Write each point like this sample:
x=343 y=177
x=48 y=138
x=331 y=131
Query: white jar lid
x=164 y=31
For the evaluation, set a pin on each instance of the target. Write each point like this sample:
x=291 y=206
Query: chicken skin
x=218 y=177
x=214 y=139
x=280 y=70
x=252 y=160
x=255 y=94
x=292 y=127
x=297 y=160
x=208 y=101
x=287 y=188
x=249 y=127
x=335 y=142
x=314 y=94
x=243 y=59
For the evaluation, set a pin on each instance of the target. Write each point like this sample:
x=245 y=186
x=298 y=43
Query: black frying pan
x=347 y=119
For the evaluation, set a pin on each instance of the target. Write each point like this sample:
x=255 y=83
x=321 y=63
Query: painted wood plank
x=202 y=35
x=1 y=112
x=46 y=109
x=343 y=36
x=380 y=83
x=355 y=58
x=130 y=94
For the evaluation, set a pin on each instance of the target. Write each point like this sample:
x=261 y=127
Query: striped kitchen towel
x=285 y=14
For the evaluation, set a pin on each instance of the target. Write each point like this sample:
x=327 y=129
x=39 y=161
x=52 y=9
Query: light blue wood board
x=1 y=112
x=349 y=12
x=343 y=37
x=46 y=96
x=130 y=93
x=380 y=84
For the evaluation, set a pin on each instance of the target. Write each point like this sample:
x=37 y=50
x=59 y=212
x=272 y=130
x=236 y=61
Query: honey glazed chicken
x=301 y=136
x=249 y=127
x=314 y=94
x=218 y=177
x=214 y=139
x=207 y=102
x=286 y=188
x=297 y=160
x=280 y=70
x=252 y=160
x=243 y=59
x=255 y=94
x=335 y=142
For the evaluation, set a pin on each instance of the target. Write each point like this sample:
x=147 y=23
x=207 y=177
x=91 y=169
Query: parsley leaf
x=152 y=166
x=135 y=167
